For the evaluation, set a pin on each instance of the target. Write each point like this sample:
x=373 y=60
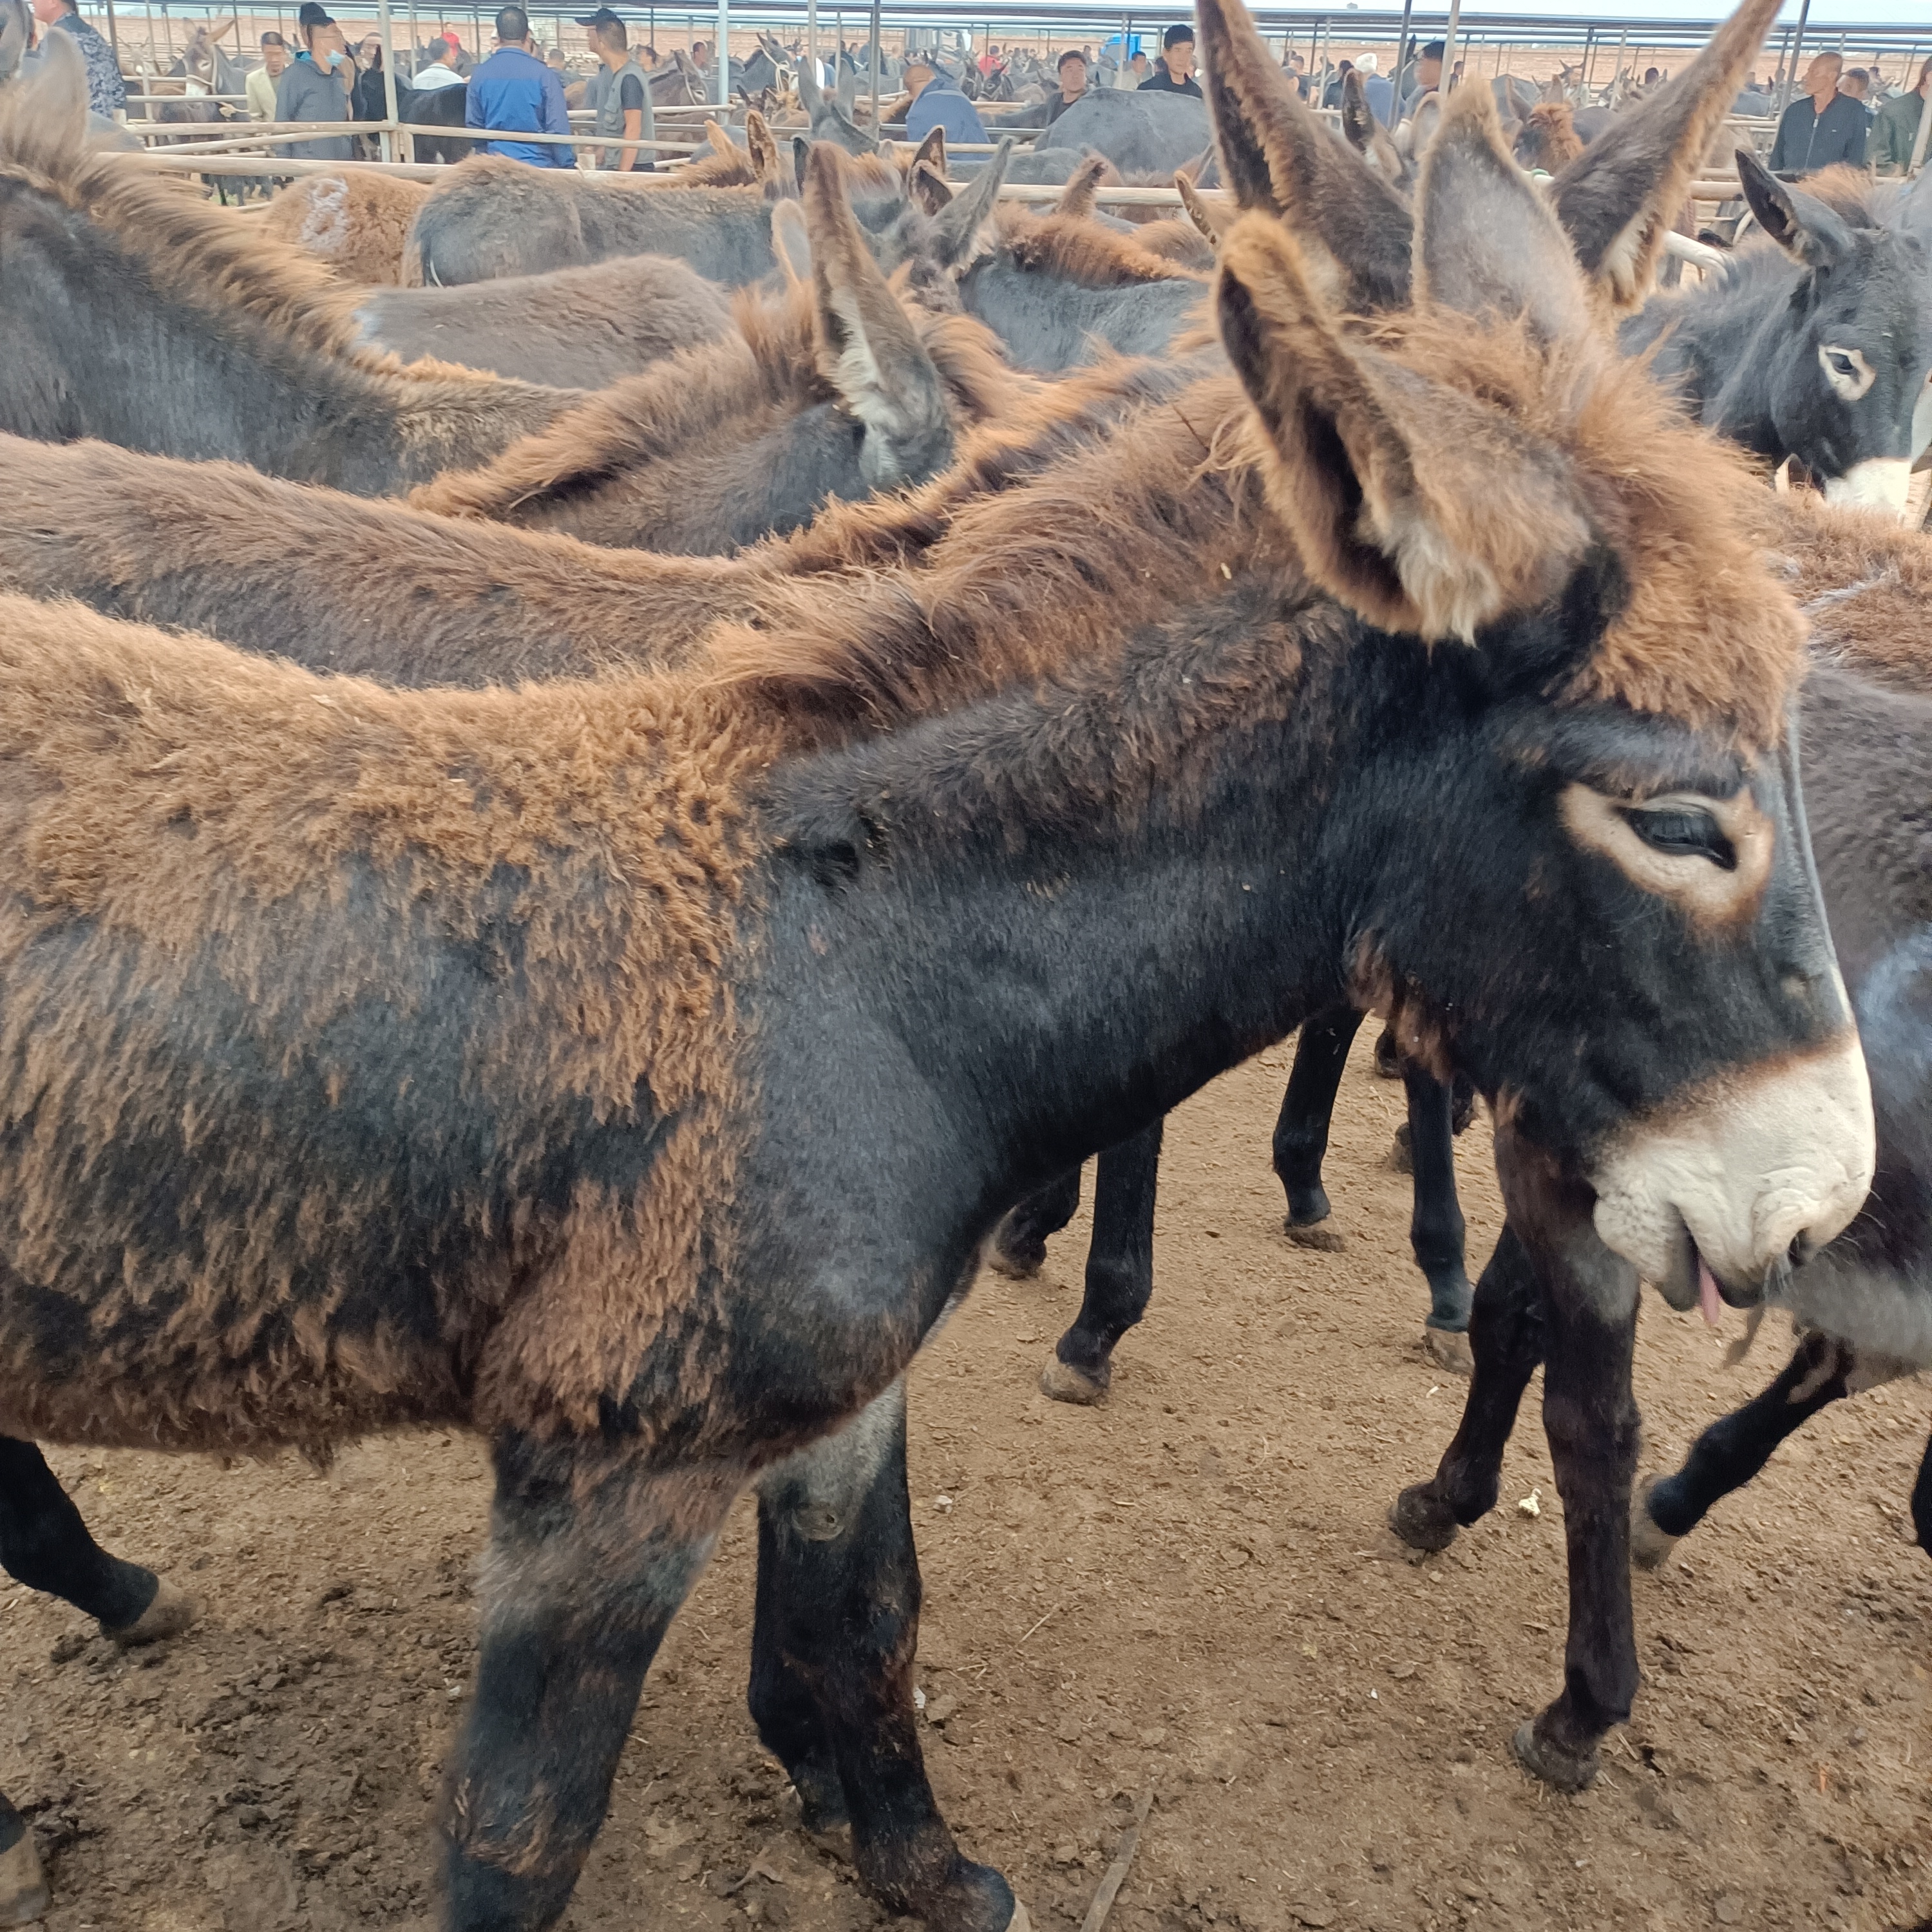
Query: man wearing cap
x=315 y=86
x=937 y=103
x=1175 y=73
x=621 y=99
x=1073 y=72
x=1424 y=77
x=513 y=92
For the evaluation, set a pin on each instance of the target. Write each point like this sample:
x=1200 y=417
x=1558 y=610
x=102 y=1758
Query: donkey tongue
x=1707 y=1294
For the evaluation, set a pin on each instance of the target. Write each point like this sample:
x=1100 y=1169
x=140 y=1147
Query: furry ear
x=1076 y=198
x=1486 y=243
x=764 y=149
x=1801 y=224
x=961 y=227
x=1278 y=155
x=931 y=191
x=1357 y=123
x=868 y=349
x=1420 y=508
x=1618 y=198
x=801 y=160
x=720 y=139
x=1209 y=221
x=790 y=241
x=931 y=151
x=56 y=122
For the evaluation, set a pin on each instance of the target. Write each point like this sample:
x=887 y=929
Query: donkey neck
x=188 y=380
x=1066 y=913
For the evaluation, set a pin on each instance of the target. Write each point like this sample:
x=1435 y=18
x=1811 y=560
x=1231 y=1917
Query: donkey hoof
x=1021 y=1262
x=1316 y=1234
x=1401 y=1159
x=973 y=1898
x=1449 y=1349
x=172 y=1612
x=23 y=1891
x=1422 y=1520
x=1556 y=1764
x=1649 y=1545
x=834 y=1840
x=1065 y=1383
x=1388 y=1062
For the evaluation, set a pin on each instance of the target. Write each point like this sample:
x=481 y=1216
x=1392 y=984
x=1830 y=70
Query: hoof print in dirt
x=1449 y=1349
x=1422 y=1521
x=1065 y=1383
x=1562 y=1769
x=172 y=1612
x=1649 y=1545
x=23 y=1892
x=1316 y=1234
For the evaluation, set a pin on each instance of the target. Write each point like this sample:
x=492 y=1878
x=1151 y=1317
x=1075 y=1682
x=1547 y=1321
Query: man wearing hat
x=937 y=103
x=1175 y=73
x=620 y=97
x=513 y=92
x=315 y=86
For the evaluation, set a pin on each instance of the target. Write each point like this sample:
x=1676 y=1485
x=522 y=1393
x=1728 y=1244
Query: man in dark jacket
x=1073 y=72
x=1821 y=125
x=106 y=92
x=315 y=86
x=513 y=92
x=937 y=103
x=1175 y=73
x=1896 y=130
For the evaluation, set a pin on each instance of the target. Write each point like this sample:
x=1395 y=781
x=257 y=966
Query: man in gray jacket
x=622 y=102
x=315 y=86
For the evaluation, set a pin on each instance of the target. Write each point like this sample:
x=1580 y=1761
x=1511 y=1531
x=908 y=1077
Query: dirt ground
x=1191 y=1588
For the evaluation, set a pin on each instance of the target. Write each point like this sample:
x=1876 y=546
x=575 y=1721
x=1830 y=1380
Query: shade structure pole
x=1918 y=159
x=1449 y=46
x=812 y=38
x=1401 y=60
x=872 y=61
x=721 y=53
x=1797 y=43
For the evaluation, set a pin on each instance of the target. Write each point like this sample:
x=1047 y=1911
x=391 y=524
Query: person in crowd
x=701 y=56
x=440 y=71
x=260 y=85
x=1427 y=75
x=1073 y=72
x=106 y=92
x=1896 y=131
x=1175 y=73
x=1378 y=89
x=315 y=86
x=1821 y=126
x=623 y=106
x=368 y=99
x=1331 y=94
x=990 y=62
x=937 y=103
x=1857 y=83
x=513 y=92
x=1138 y=70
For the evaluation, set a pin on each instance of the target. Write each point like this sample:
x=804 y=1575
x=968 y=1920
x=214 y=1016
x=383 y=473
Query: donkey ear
x=961 y=226
x=1417 y=507
x=801 y=160
x=930 y=190
x=809 y=94
x=932 y=151
x=763 y=148
x=1278 y=155
x=790 y=243
x=59 y=122
x=1486 y=240
x=1618 y=198
x=721 y=142
x=868 y=349
x=1203 y=217
x=1357 y=123
x=1076 y=198
x=1801 y=224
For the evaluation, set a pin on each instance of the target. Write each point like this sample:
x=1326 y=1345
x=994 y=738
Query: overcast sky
x=1825 y=15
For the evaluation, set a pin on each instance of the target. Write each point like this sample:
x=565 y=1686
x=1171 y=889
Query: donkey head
x=1850 y=370
x=1615 y=926
x=15 y=34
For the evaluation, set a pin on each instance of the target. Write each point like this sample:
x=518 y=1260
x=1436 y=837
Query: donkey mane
x=769 y=362
x=1086 y=253
x=199 y=255
x=1106 y=540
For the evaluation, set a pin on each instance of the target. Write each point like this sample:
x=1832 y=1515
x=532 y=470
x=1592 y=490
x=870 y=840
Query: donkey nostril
x=1802 y=1249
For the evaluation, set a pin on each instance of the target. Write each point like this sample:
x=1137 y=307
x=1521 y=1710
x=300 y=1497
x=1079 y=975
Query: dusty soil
x=1191 y=1588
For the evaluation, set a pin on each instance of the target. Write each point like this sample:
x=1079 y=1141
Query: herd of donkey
x=583 y=913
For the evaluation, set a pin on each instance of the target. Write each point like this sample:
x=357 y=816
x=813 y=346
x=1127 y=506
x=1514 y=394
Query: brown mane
x=769 y=364
x=1083 y=251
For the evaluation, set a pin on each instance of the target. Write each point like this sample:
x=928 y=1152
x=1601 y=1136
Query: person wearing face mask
x=315 y=86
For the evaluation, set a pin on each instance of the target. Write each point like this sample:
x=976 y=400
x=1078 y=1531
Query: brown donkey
x=630 y=1210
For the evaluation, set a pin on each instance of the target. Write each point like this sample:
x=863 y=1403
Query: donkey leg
x=1435 y=1224
x=590 y=1558
x=1120 y=1270
x=837 y=1625
x=45 y=1545
x=1921 y=1501
x=1506 y=1336
x=1735 y=1448
x=1018 y=1248
x=23 y=1890
x=1301 y=1131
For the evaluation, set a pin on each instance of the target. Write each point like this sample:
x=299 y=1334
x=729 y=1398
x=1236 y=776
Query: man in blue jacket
x=937 y=102
x=513 y=92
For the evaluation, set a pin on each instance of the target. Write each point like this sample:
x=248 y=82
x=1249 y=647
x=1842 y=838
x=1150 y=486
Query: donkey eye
x=1684 y=833
x=1842 y=365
